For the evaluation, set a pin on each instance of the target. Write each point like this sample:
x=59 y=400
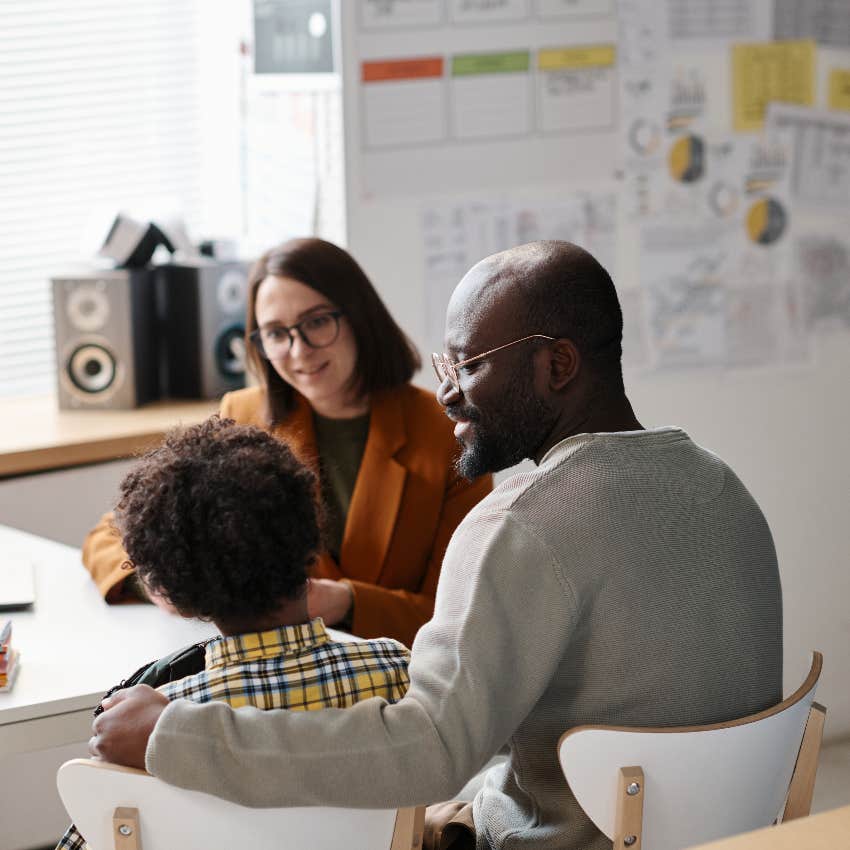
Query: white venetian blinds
x=99 y=107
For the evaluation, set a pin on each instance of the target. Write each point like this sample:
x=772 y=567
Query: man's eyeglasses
x=447 y=370
x=318 y=331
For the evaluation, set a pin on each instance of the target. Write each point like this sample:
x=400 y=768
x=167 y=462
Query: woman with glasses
x=334 y=373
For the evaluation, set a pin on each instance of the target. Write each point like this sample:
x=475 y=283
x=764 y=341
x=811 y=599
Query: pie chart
x=687 y=159
x=766 y=221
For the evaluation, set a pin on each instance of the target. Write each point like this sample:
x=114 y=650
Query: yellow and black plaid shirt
x=296 y=667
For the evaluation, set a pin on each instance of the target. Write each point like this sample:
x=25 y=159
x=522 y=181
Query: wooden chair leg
x=409 y=827
x=125 y=829
x=799 y=802
x=418 y=828
x=628 y=826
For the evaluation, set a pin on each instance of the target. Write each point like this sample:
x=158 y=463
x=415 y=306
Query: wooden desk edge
x=76 y=454
x=822 y=831
x=57 y=446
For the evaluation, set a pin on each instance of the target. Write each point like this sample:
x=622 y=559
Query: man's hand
x=331 y=600
x=121 y=733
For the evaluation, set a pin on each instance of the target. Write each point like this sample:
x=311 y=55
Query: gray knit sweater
x=629 y=579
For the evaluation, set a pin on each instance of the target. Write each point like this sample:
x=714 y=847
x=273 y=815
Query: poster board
x=738 y=322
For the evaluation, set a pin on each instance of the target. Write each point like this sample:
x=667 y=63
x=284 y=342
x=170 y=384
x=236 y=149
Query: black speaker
x=105 y=327
x=202 y=308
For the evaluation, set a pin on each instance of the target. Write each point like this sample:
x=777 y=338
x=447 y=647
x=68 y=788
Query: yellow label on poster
x=570 y=58
x=839 y=89
x=781 y=70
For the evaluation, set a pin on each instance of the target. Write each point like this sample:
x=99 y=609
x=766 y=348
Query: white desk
x=73 y=648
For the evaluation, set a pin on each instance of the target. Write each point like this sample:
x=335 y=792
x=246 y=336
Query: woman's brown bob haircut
x=386 y=358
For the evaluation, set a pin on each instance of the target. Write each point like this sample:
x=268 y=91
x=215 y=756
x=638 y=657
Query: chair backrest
x=119 y=808
x=668 y=788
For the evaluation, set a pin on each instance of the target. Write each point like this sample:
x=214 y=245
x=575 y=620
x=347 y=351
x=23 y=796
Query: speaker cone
x=87 y=307
x=231 y=292
x=91 y=368
x=230 y=351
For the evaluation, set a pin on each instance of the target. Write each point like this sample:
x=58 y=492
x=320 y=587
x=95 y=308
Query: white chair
x=669 y=788
x=126 y=809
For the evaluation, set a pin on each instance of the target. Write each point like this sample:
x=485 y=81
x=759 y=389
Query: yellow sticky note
x=779 y=70
x=839 y=88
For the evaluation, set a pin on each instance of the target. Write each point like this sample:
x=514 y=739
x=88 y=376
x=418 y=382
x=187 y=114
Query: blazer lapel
x=299 y=434
x=377 y=494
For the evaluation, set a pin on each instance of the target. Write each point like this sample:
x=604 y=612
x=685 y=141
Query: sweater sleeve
x=503 y=616
x=380 y=611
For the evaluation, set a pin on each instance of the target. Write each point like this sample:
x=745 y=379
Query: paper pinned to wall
x=586 y=219
x=822 y=264
x=576 y=88
x=479 y=94
x=720 y=290
x=821 y=141
x=697 y=25
x=644 y=96
x=825 y=21
x=680 y=270
x=698 y=317
x=457 y=234
x=763 y=73
x=560 y=9
x=396 y=14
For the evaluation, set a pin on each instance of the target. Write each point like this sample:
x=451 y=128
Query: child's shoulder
x=382 y=646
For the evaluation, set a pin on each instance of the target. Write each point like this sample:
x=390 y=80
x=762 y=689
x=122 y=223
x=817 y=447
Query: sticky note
x=781 y=70
x=839 y=89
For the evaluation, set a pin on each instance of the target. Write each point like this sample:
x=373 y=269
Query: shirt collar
x=570 y=445
x=252 y=646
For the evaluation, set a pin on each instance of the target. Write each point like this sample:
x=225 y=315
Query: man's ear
x=564 y=364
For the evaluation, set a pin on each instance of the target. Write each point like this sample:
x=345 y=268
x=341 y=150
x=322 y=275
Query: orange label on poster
x=402 y=69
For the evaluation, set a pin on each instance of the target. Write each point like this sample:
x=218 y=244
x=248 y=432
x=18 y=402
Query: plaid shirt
x=295 y=667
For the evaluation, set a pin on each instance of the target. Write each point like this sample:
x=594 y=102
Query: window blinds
x=98 y=110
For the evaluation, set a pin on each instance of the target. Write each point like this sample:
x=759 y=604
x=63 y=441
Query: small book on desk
x=17 y=584
x=8 y=657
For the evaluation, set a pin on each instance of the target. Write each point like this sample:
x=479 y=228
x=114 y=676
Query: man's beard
x=502 y=437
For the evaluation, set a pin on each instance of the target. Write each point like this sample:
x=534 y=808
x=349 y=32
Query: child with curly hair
x=220 y=523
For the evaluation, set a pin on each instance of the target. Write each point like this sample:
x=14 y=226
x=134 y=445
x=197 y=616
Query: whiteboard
x=767 y=395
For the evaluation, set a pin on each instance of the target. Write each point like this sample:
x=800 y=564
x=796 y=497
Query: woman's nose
x=297 y=347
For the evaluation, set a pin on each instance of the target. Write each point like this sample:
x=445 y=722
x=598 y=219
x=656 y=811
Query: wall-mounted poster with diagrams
x=459 y=95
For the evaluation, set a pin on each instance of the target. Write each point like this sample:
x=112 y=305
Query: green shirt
x=341 y=443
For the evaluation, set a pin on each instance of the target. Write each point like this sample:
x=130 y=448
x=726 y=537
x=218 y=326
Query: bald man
x=630 y=578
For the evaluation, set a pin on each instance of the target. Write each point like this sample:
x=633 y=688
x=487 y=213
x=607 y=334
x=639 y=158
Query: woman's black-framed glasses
x=318 y=331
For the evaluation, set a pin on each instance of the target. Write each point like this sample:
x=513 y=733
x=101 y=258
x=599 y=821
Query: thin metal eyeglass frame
x=256 y=335
x=450 y=368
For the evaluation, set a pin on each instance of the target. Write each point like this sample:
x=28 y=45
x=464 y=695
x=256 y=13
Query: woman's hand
x=331 y=600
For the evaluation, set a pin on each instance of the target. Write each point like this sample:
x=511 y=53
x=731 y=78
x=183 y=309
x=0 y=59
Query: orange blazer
x=407 y=501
